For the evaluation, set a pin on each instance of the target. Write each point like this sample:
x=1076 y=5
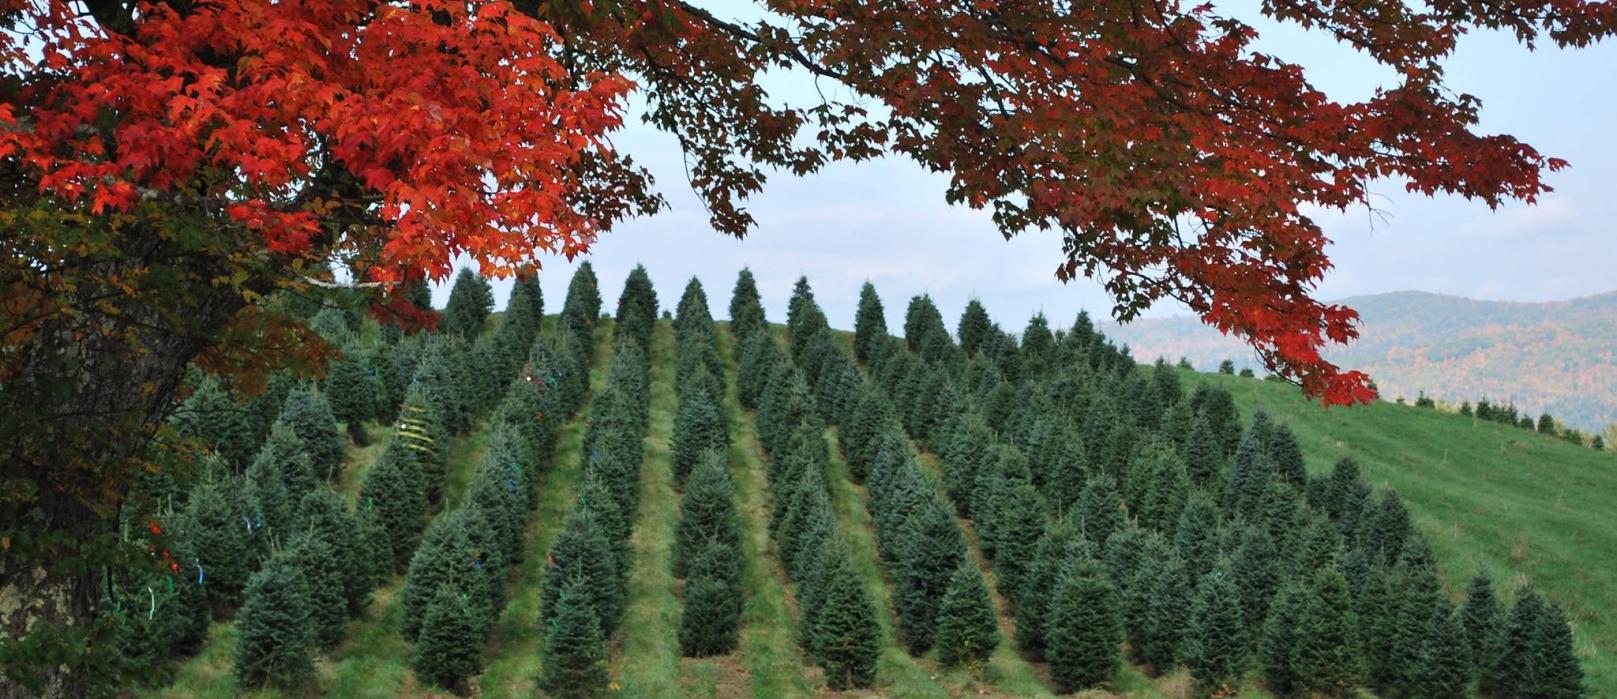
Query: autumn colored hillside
x=1558 y=357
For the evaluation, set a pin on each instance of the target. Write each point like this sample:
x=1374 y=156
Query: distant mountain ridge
x=1559 y=357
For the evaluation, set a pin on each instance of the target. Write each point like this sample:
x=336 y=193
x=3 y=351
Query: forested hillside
x=589 y=505
x=1559 y=358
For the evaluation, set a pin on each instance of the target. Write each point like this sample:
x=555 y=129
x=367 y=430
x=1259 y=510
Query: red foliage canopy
x=1175 y=160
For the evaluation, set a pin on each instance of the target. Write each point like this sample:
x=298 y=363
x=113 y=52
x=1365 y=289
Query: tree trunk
x=80 y=397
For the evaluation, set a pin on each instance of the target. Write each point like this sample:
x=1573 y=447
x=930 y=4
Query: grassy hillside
x=1521 y=504
x=1556 y=357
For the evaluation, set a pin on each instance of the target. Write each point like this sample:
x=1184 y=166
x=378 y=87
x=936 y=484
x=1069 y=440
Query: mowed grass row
x=776 y=668
x=517 y=642
x=648 y=663
x=1526 y=507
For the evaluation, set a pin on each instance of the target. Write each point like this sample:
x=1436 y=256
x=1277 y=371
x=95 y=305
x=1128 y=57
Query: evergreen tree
x=324 y=572
x=214 y=419
x=391 y=382
x=1442 y=670
x=442 y=559
x=575 y=646
x=1327 y=652
x=310 y=417
x=220 y=538
x=1287 y=457
x=1100 y=509
x=930 y=549
x=1195 y=536
x=352 y=391
x=323 y=514
x=846 y=639
x=967 y=629
x=268 y=498
x=581 y=553
x=1215 y=645
x=1034 y=594
x=1279 y=644
x=699 y=427
x=1556 y=662
x=1515 y=670
x=1257 y=574
x=470 y=302
x=974 y=327
x=449 y=648
x=274 y=631
x=1019 y=521
x=1084 y=630
x=711 y=623
x=869 y=323
x=1204 y=461
x=707 y=512
x=1482 y=619
x=1162 y=584
x=397 y=505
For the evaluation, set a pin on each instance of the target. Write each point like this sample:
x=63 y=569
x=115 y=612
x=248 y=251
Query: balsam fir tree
x=575 y=646
x=845 y=632
x=324 y=572
x=967 y=631
x=352 y=392
x=1084 y=630
x=1442 y=669
x=470 y=301
x=310 y=417
x=274 y=631
x=1483 y=619
x=449 y=648
x=707 y=512
x=1327 y=655
x=699 y=427
x=324 y=514
x=869 y=324
x=973 y=327
x=222 y=539
x=392 y=498
x=1215 y=645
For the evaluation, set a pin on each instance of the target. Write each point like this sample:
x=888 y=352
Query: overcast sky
x=887 y=221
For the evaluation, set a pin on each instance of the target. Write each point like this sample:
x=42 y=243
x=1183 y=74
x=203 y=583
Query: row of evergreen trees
x=586 y=578
x=1113 y=506
x=455 y=588
x=707 y=539
x=938 y=592
x=838 y=625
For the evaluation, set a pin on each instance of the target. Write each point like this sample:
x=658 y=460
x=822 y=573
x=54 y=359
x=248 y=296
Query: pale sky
x=887 y=221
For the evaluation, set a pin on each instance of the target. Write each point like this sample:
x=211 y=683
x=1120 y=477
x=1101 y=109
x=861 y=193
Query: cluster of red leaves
x=462 y=130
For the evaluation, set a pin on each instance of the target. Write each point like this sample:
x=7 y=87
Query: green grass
x=516 y=644
x=649 y=664
x=1525 y=506
x=774 y=663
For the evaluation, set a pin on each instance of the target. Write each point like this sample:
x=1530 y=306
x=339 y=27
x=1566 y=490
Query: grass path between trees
x=648 y=663
x=516 y=644
x=775 y=665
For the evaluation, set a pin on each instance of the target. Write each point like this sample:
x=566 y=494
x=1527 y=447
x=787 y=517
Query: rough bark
x=80 y=397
